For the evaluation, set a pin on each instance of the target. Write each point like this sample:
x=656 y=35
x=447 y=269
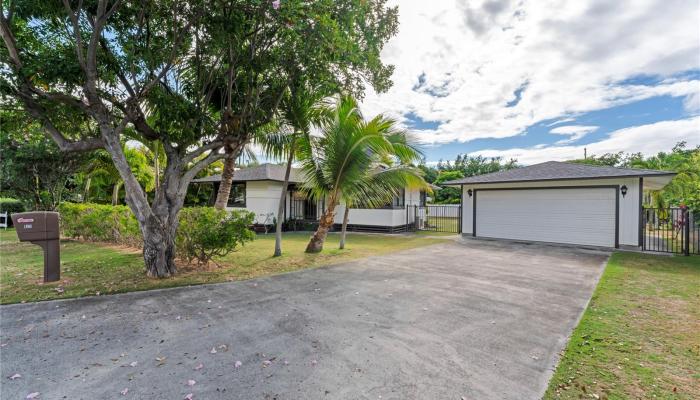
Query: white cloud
x=561 y=121
x=645 y=139
x=566 y=57
x=692 y=103
x=574 y=132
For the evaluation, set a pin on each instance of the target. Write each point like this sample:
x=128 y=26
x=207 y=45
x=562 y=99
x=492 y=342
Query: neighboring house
x=257 y=189
x=559 y=202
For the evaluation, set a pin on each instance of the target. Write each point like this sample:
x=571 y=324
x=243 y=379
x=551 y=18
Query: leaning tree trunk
x=346 y=215
x=324 y=225
x=226 y=181
x=283 y=198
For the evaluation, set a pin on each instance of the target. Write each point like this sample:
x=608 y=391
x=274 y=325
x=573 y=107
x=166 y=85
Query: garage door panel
x=575 y=216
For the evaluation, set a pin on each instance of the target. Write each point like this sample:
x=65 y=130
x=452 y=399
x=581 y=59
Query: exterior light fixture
x=469 y=192
x=623 y=190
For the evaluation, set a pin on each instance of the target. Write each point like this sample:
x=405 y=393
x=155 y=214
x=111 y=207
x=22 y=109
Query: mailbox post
x=41 y=228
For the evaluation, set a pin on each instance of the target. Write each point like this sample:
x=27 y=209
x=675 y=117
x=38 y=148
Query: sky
x=542 y=80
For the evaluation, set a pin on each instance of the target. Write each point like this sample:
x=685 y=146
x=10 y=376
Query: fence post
x=459 y=221
x=416 y=227
x=686 y=236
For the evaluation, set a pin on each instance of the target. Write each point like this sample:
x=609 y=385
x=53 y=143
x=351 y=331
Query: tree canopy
x=196 y=76
x=463 y=166
x=684 y=189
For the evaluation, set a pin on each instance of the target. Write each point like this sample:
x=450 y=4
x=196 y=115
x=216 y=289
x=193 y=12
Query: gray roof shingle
x=263 y=172
x=556 y=170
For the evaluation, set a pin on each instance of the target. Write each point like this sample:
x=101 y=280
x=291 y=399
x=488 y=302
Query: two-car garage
x=558 y=202
x=570 y=215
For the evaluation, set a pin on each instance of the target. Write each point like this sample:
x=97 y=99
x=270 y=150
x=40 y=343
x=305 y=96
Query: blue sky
x=542 y=80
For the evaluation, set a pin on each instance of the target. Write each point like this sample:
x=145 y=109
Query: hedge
x=11 y=206
x=100 y=223
x=203 y=232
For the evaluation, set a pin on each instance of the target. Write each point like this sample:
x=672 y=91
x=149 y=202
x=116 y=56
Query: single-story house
x=257 y=189
x=559 y=202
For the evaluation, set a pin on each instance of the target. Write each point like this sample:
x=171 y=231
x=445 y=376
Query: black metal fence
x=435 y=218
x=670 y=230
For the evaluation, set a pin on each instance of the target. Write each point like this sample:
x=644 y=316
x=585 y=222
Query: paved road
x=472 y=319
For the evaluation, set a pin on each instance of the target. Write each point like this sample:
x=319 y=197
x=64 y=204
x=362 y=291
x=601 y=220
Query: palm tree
x=351 y=162
x=102 y=168
x=302 y=108
x=377 y=188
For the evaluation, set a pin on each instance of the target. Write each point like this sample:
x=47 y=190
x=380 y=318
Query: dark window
x=400 y=200
x=237 y=196
x=423 y=198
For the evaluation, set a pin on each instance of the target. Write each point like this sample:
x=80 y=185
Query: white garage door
x=575 y=216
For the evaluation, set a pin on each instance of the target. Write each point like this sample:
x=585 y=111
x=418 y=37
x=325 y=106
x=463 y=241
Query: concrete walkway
x=473 y=319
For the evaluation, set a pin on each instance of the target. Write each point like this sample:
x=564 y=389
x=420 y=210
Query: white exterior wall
x=378 y=216
x=628 y=212
x=262 y=198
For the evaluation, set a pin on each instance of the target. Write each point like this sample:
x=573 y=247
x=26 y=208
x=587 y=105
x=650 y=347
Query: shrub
x=203 y=232
x=12 y=206
x=206 y=232
x=100 y=222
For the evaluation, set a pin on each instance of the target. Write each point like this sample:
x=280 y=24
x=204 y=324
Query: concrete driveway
x=465 y=319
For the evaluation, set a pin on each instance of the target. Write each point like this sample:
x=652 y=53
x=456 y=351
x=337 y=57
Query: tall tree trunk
x=159 y=247
x=157 y=221
x=283 y=198
x=115 y=193
x=226 y=179
x=345 y=227
x=324 y=225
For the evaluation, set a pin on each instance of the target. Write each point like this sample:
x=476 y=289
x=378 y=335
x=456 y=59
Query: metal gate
x=435 y=218
x=670 y=230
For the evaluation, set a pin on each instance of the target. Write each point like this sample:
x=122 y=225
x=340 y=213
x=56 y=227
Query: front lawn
x=89 y=268
x=639 y=337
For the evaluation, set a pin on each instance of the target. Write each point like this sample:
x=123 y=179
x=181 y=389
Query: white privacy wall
x=628 y=212
x=378 y=216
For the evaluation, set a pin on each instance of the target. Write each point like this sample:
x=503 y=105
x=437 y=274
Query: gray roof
x=263 y=172
x=556 y=170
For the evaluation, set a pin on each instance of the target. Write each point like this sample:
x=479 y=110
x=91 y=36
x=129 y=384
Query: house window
x=237 y=196
x=423 y=198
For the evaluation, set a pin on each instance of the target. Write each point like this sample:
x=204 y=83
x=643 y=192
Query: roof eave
x=459 y=183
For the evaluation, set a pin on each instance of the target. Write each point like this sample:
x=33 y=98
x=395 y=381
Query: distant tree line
x=463 y=166
x=684 y=189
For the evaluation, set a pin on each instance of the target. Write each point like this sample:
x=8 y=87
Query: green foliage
x=32 y=168
x=463 y=166
x=362 y=162
x=101 y=223
x=684 y=189
x=203 y=232
x=619 y=159
x=206 y=232
x=103 y=183
x=448 y=195
x=11 y=206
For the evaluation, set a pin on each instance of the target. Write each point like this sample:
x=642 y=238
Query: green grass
x=445 y=224
x=639 y=338
x=90 y=268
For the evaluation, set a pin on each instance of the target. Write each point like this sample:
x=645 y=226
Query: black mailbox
x=41 y=228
